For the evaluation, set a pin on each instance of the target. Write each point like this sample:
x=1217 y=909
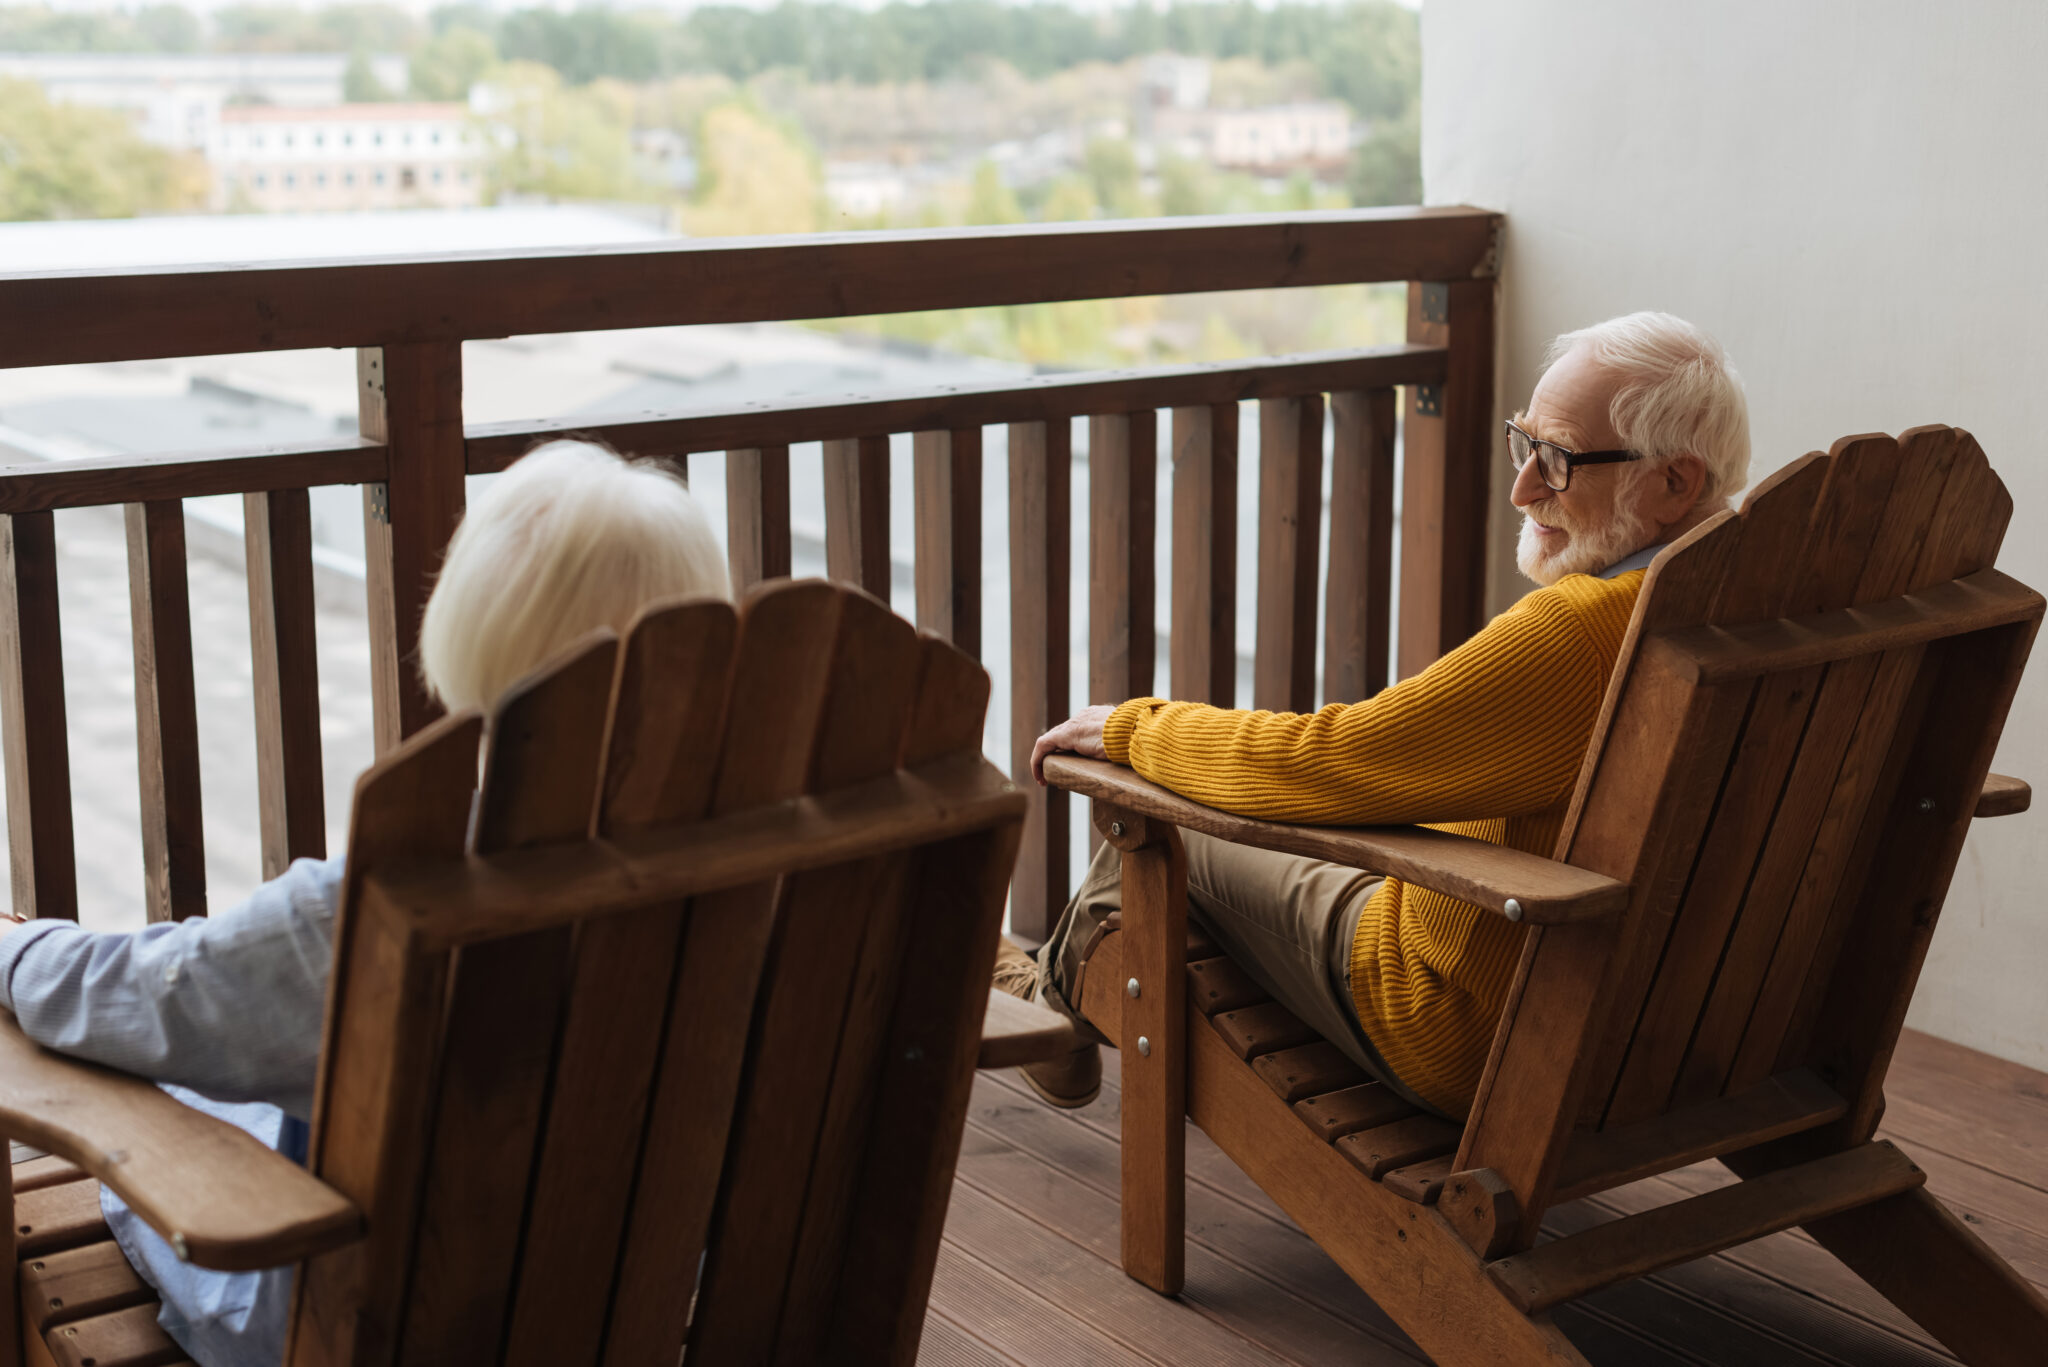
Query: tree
x=754 y=176
x=1387 y=167
x=359 y=84
x=989 y=200
x=1112 y=166
x=562 y=143
x=1071 y=201
x=72 y=161
x=451 y=62
x=1183 y=186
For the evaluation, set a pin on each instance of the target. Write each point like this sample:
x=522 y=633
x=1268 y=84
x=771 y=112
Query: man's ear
x=1678 y=486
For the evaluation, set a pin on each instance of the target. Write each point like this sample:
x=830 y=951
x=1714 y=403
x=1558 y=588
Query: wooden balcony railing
x=407 y=320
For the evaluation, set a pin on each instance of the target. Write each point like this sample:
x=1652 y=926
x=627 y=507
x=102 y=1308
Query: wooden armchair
x=1794 y=742
x=703 y=977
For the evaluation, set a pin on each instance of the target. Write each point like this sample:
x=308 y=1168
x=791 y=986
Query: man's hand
x=1080 y=733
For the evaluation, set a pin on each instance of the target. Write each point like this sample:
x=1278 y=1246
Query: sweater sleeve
x=1495 y=728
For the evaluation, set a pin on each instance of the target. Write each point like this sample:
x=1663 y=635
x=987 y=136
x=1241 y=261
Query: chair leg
x=1914 y=1251
x=12 y=1324
x=1153 y=1044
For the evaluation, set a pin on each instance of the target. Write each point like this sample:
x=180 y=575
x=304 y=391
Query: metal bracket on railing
x=380 y=504
x=1436 y=302
x=1429 y=400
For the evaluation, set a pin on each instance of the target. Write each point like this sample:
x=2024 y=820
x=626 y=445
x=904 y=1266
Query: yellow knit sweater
x=1486 y=742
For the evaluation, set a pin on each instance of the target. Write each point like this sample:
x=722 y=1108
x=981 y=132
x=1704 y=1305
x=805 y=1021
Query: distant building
x=1176 y=82
x=347 y=157
x=1284 y=137
x=176 y=99
x=865 y=189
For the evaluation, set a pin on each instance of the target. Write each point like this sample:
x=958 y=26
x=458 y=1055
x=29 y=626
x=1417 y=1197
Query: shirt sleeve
x=230 y=1006
x=1495 y=728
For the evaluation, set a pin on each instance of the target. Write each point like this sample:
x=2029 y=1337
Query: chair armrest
x=2003 y=796
x=1519 y=886
x=219 y=1197
x=1016 y=1031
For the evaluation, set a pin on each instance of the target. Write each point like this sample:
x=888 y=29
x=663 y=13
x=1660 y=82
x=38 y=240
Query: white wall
x=1852 y=195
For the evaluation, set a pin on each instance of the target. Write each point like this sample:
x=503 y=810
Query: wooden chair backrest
x=1787 y=762
x=552 y=1111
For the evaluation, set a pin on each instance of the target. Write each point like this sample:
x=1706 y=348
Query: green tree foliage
x=359 y=84
x=559 y=142
x=71 y=161
x=589 y=43
x=989 y=200
x=155 y=28
x=336 y=28
x=452 y=61
x=754 y=176
x=1387 y=167
x=1112 y=167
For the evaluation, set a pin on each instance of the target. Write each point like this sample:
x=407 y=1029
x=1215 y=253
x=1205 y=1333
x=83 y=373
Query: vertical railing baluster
x=166 y=713
x=857 y=512
x=38 y=758
x=409 y=397
x=947 y=469
x=757 y=515
x=1359 y=599
x=292 y=805
x=1123 y=508
x=1203 y=641
x=1446 y=473
x=1290 y=523
x=1041 y=495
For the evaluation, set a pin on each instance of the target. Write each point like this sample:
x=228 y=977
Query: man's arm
x=230 y=1006
x=1495 y=728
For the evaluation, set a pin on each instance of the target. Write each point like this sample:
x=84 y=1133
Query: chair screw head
x=1513 y=910
x=1132 y=987
x=1144 y=1047
x=1116 y=828
x=1926 y=804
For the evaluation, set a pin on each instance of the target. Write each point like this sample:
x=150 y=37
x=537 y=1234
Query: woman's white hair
x=1677 y=394
x=571 y=538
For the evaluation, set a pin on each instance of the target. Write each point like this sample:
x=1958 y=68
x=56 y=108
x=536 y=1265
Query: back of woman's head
x=569 y=539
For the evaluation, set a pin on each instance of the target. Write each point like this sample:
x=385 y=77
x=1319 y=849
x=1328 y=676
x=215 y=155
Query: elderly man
x=1637 y=431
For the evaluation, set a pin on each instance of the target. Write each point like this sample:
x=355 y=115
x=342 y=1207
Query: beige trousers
x=1287 y=921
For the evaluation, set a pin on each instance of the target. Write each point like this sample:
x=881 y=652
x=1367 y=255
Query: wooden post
x=45 y=878
x=1447 y=475
x=409 y=397
x=948 y=529
x=1290 y=526
x=278 y=534
x=1041 y=493
x=1153 y=1046
x=857 y=512
x=757 y=515
x=166 y=712
x=1203 y=640
x=1357 y=607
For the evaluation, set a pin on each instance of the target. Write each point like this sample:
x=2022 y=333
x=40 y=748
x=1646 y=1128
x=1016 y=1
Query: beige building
x=1313 y=135
x=347 y=157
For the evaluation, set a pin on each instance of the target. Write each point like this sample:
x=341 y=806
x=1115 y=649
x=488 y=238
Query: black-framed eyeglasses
x=1554 y=464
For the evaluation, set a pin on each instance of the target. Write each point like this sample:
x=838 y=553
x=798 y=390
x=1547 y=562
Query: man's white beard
x=1586 y=550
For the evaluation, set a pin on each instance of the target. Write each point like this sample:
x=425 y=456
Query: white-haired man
x=1636 y=432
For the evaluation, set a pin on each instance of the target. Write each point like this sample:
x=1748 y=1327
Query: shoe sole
x=1063 y=1102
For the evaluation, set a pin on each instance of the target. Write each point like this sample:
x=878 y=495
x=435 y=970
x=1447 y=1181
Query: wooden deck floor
x=1029 y=1273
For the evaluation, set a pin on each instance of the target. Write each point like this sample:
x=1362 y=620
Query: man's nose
x=1529 y=486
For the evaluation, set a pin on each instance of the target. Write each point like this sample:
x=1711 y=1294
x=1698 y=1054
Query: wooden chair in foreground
x=1794 y=742
x=704 y=977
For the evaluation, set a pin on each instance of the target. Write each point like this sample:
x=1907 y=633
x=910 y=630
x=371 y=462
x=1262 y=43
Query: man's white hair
x=571 y=538
x=1676 y=394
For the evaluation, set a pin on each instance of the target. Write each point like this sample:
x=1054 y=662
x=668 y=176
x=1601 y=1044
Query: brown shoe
x=1070 y=1081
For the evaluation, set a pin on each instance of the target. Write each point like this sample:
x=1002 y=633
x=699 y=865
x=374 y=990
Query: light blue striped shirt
x=228 y=1009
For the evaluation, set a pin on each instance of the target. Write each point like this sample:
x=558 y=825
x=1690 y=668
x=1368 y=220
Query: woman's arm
x=230 y=1006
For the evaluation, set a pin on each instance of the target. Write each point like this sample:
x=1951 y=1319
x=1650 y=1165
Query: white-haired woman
x=569 y=539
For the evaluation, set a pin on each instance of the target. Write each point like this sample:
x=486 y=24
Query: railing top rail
x=70 y=317
x=493 y=446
